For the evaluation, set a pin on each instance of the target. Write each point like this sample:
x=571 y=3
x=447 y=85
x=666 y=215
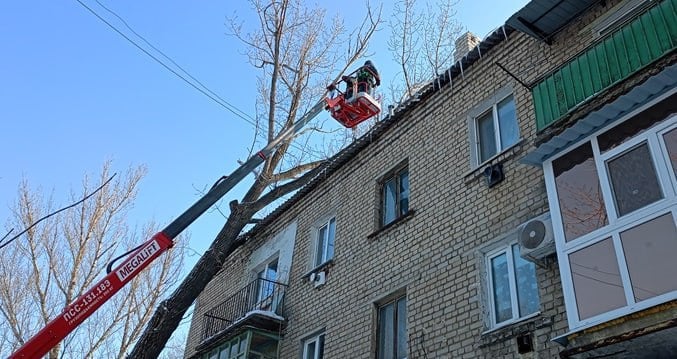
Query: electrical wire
x=124 y=22
x=224 y=104
x=56 y=212
x=207 y=92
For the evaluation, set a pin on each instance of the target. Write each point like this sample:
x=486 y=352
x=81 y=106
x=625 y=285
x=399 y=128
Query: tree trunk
x=170 y=312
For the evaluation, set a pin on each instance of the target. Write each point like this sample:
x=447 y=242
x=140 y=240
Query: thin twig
x=56 y=212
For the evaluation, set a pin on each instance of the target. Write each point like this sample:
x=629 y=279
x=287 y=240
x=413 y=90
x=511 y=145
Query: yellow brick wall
x=435 y=255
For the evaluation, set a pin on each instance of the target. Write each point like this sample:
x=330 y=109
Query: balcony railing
x=260 y=296
x=629 y=49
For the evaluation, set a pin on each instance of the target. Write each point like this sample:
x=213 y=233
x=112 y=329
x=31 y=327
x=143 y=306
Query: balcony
x=629 y=49
x=259 y=305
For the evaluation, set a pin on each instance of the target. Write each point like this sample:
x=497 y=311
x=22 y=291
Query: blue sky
x=73 y=93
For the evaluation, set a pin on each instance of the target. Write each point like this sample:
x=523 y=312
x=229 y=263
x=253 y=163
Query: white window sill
x=511 y=322
x=477 y=168
x=319 y=268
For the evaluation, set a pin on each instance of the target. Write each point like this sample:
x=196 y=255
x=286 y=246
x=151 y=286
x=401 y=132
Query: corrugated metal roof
x=543 y=18
x=658 y=85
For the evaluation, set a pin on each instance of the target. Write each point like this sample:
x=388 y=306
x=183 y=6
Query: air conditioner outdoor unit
x=536 y=238
x=318 y=278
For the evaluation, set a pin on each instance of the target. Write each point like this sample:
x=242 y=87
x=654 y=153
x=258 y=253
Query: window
x=618 y=16
x=267 y=277
x=313 y=348
x=495 y=129
x=249 y=345
x=615 y=199
x=235 y=348
x=392 y=330
x=395 y=196
x=513 y=289
x=324 y=246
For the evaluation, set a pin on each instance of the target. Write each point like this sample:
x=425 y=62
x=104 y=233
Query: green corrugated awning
x=632 y=47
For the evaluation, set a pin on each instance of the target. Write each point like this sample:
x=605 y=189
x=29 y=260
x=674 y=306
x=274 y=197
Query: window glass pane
x=401 y=328
x=264 y=345
x=389 y=201
x=527 y=285
x=578 y=192
x=486 y=136
x=224 y=352
x=597 y=281
x=650 y=250
x=266 y=286
x=633 y=180
x=214 y=354
x=330 y=239
x=261 y=286
x=243 y=344
x=671 y=144
x=507 y=122
x=310 y=350
x=320 y=347
x=385 y=332
x=501 y=288
x=404 y=193
x=321 y=245
x=233 y=349
x=272 y=270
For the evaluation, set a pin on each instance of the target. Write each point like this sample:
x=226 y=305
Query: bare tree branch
x=295 y=172
x=62 y=258
x=285 y=189
x=421 y=42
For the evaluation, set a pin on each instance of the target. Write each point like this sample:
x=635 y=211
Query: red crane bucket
x=354 y=110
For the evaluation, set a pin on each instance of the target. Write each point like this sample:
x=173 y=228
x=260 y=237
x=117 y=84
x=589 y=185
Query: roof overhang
x=541 y=19
x=658 y=86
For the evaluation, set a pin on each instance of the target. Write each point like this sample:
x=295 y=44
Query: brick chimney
x=464 y=44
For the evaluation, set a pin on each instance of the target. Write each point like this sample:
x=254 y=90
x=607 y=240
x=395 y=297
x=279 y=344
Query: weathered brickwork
x=435 y=255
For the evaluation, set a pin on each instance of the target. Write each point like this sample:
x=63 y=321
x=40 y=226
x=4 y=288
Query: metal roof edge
x=335 y=162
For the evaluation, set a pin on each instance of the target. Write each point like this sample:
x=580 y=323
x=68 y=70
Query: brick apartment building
x=523 y=204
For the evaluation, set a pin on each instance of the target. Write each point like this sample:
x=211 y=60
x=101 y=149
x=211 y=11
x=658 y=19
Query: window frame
x=392 y=301
x=394 y=174
x=506 y=249
x=618 y=16
x=264 y=287
x=317 y=230
x=315 y=338
x=490 y=105
x=228 y=345
x=617 y=224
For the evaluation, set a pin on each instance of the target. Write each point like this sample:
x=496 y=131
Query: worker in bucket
x=366 y=77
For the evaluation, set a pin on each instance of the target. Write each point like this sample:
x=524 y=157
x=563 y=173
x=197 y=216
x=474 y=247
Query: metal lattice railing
x=260 y=294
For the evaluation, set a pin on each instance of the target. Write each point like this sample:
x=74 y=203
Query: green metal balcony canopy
x=632 y=47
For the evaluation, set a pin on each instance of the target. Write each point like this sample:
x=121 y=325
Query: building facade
x=523 y=204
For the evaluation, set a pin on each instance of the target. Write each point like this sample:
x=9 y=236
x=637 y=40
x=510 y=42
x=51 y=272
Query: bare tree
x=175 y=347
x=297 y=52
x=59 y=259
x=422 y=43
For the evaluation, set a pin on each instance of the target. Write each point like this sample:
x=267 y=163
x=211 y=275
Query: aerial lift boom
x=80 y=309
